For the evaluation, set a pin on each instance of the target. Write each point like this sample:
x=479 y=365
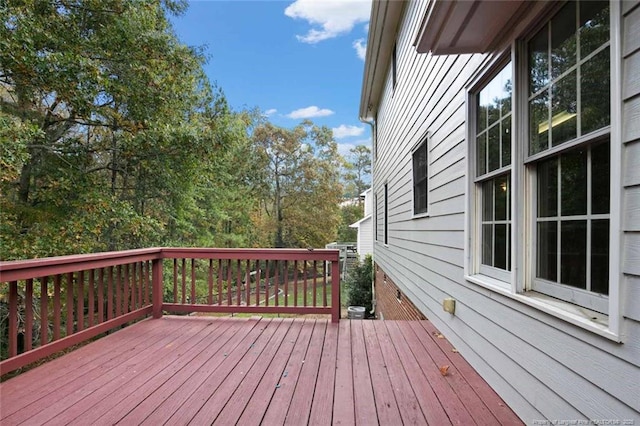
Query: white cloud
x=344 y=149
x=270 y=112
x=343 y=131
x=330 y=17
x=310 y=112
x=361 y=48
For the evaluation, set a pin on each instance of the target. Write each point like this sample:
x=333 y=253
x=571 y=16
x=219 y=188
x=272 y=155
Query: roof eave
x=383 y=24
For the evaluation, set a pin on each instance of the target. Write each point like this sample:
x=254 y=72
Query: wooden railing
x=47 y=305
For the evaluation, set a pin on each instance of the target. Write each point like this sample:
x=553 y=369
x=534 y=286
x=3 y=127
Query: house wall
x=631 y=155
x=368 y=202
x=365 y=238
x=541 y=365
x=391 y=303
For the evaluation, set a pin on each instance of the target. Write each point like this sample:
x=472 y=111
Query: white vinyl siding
x=544 y=366
x=630 y=111
x=365 y=238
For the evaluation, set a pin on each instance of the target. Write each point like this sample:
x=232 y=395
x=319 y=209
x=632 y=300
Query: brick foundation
x=391 y=303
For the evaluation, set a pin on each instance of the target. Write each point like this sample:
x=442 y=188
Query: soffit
x=468 y=26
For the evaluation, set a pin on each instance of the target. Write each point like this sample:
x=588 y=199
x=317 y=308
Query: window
x=545 y=168
x=376 y=216
x=493 y=172
x=568 y=101
x=420 y=164
x=394 y=66
x=386 y=214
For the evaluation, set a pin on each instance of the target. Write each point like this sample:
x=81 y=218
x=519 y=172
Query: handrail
x=57 y=302
x=31 y=268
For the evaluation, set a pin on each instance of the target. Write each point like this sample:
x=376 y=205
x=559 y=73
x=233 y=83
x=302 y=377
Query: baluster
x=286 y=283
x=118 y=284
x=110 y=306
x=100 y=295
x=28 y=322
x=125 y=290
x=258 y=278
x=238 y=282
x=175 y=280
x=140 y=267
x=295 y=283
x=44 y=311
x=304 y=285
x=80 y=301
x=229 y=282
x=266 y=282
x=276 y=277
x=324 y=284
x=183 y=281
x=193 y=281
x=91 y=297
x=315 y=283
x=247 y=284
x=219 y=282
x=210 y=283
x=69 y=304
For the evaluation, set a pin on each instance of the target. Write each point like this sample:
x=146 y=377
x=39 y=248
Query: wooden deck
x=250 y=371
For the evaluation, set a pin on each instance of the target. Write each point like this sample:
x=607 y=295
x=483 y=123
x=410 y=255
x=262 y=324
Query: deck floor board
x=250 y=371
x=386 y=404
x=119 y=400
x=35 y=385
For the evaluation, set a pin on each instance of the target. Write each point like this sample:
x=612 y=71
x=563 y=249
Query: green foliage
x=349 y=214
x=357 y=171
x=299 y=184
x=111 y=136
x=358 y=284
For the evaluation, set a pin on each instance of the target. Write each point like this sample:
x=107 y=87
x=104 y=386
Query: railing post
x=157 y=287
x=335 y=291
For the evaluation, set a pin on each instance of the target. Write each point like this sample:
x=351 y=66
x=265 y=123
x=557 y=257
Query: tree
x=300 y=188
x=349 y=214
x=359 y=285
x=108 y=123
x=358 y=171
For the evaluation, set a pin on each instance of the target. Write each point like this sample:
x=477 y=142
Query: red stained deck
x=250 y=371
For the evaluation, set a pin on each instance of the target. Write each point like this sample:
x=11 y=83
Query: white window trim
x=375 y=217
x=518 y=286
x=426 y=139
x=473 y=266
x=615 y=219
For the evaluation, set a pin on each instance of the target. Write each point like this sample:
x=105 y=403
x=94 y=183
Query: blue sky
x=292 y=59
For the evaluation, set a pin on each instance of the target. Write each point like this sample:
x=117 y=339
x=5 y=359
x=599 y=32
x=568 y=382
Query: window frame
x=473 y=265
x=375 y=217
x=386 y=215
x=425 y=142
x=523 y=182
x=581 y=297
x=394 y=66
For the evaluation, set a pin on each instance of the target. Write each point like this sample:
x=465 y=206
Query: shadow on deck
x=271 y=371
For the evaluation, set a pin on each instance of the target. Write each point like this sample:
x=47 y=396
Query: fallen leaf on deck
x=444 y=370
